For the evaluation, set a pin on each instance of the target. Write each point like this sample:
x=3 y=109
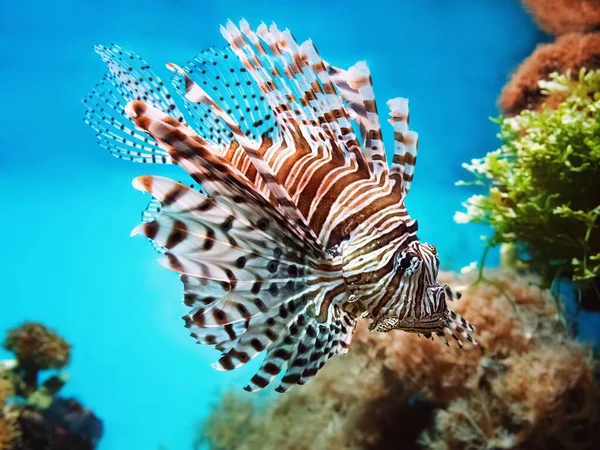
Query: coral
x=353 y=404
x=570 y=52
x=507 y=324
x=37 y=346
x=542 y=185
x=38 y=417
x=368 y=399
x=64 y=425
x=546 y=398
x=9 y=433
x=6 y=390
x=565 y=16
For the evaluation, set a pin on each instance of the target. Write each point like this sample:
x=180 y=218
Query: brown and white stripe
x=300 y=230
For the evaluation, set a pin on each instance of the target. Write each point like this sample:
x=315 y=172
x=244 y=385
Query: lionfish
x=300 y=227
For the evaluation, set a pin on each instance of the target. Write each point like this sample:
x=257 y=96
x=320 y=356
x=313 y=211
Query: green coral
x=543 y=184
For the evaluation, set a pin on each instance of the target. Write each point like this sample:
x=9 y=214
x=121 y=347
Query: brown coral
x=542 y=399
x=38 y=347
x=9 y=430
x=565 y=16
x=570 y=52
x=9 y=433
x=6 y=390
x=328 y=415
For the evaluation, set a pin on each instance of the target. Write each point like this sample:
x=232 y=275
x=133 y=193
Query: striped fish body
x=300 y=227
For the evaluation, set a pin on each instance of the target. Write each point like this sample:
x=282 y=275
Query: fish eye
x=404 y=263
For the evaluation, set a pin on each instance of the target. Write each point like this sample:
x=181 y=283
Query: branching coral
x=570 y=52
x=365 y=400
x=543 y=183
x=564 y=16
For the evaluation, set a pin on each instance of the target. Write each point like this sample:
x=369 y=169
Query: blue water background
x=68 y=207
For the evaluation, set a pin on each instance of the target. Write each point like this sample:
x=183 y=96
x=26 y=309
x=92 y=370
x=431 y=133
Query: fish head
x=419 y=303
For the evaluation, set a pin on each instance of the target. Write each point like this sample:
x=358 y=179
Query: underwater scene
x=217 y=235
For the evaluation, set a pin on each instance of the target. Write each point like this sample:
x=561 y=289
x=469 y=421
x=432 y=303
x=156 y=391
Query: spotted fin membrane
x=129 y=77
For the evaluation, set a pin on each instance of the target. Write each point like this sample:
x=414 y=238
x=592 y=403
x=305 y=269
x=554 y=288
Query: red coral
x=570 y=52
x=565 y=16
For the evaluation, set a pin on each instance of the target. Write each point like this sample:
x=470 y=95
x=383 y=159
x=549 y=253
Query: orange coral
x=552 y=388
x=565 y=16
x=570 y=52
x=37 y=346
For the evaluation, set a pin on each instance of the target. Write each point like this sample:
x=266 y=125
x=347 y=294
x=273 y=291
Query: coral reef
x=387 y=387
x=6 y=390
x=353 y=404
x=37 y=418
x=64 y=425
x=565 y=16
x=542 y=186
x=35 y=345
x=570 y=52
x=9 y=431
x=507 y=324
x=545 y=398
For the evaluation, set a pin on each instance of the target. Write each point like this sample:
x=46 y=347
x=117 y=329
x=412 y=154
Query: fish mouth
x=432 y=324
x=447 y=326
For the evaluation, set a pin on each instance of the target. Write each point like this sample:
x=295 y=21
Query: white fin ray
x=184 y=204
x=285 y=78
x=405 y=146
x=282 y=199
x=135 y=80
x=221 y=181
x=355 y=87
